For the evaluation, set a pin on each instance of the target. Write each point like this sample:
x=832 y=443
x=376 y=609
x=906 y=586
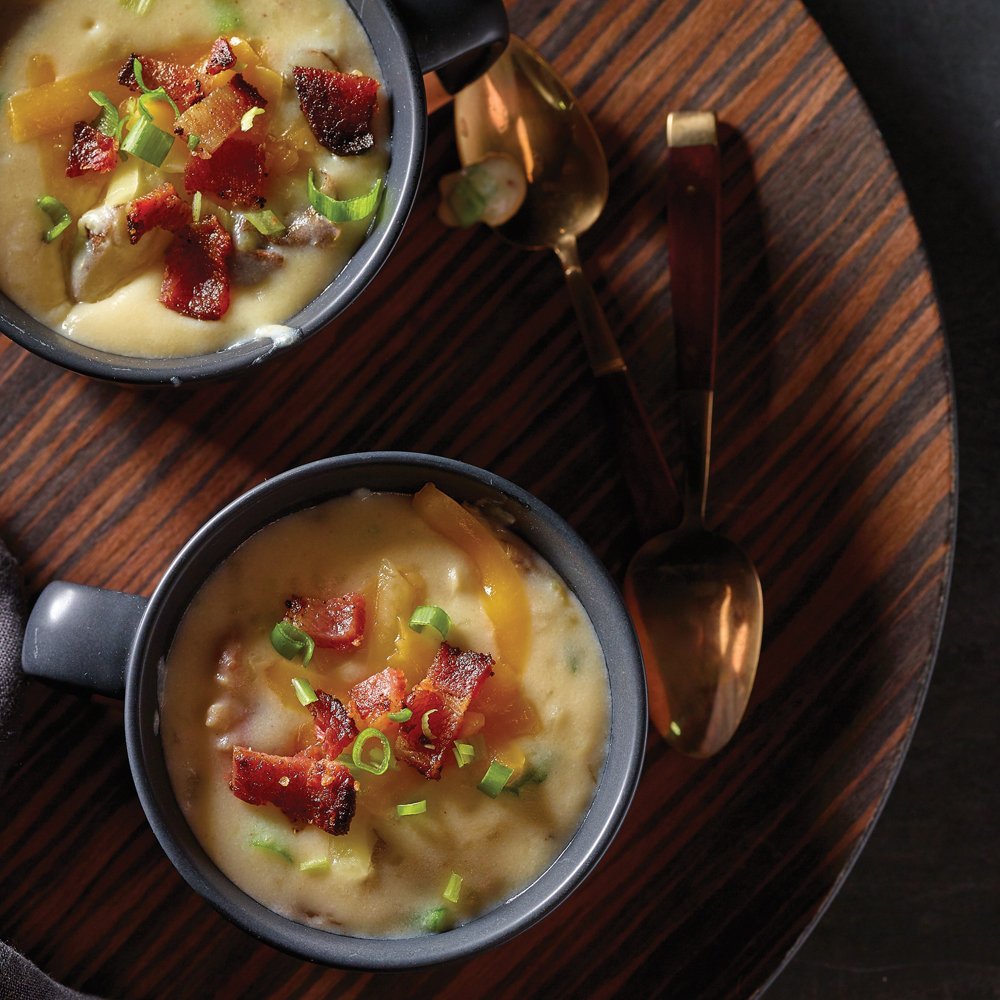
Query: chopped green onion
x=196 y=206
x=435 y=921
x=315 y=865
x=411 y=808
x=348 y=209
x=359 y=745
x=675 y=729
x=290 y=641
x=246 y=122
x=403 y=715
x=433 y=616
x=109 y=121
x=267 y=843
x=425 y=724
x=58 y=213
x=304 y=691
x=265 y=222
x=159 y=94
x=136 y=6
x=465 y=753
x=495 y=778
x=453 y=888
x=227 y=17
x=148 y=142
x=194 y=141
x=533 y=774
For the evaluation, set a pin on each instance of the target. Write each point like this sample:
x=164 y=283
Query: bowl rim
x=568 y=555
x=407 y=143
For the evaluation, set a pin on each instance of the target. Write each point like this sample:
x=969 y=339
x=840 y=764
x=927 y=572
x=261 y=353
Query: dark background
x=919 y=914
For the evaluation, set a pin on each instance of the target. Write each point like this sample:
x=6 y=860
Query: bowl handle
x=81 y=637
x=460 y=39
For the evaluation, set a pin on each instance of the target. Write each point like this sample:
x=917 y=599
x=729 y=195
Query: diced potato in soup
x=227 y=112
x=319 y=605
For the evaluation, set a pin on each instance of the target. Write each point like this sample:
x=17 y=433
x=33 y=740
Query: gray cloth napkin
x=19 y=978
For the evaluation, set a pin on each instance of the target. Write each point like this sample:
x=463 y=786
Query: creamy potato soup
x=384 y=715
x=180 y=175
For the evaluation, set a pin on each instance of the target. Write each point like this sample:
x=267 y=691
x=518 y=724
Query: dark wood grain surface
x=833 y=467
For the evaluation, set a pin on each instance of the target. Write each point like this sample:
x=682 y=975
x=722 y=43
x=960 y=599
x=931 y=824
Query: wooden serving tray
x=833 y=466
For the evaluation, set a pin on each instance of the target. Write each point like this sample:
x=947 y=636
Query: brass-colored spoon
x=694 y=595
x=522 y=108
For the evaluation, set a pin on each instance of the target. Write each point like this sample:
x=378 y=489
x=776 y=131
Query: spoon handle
x=694 y=222
x=655 y=499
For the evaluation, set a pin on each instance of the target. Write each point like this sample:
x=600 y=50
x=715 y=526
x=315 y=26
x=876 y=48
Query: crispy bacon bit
x=219 y=116
x=375 y=697
x=180 y=82
x=196 y=279
x=451 y=683
x=221 y=57
x=235 y=172
x=320 y=792
x=334 y=727
x=339 y=108
x=333 y=622
x=162 y=208
x=91 y=152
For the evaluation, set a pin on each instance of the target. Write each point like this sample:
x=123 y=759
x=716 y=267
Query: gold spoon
x=694 y=595
x=522 y=108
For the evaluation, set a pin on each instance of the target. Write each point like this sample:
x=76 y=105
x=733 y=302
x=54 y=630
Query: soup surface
x=518 y=767
x=91 y=282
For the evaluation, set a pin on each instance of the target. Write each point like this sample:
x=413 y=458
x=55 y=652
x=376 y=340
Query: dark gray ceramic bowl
x=459 y=39
x=63 y=642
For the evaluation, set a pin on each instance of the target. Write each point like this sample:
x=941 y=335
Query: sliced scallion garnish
x=379 y=767
x=227 y=17
x=196 y=207
x=246 y=122
x=315 y=865
x=465 y=753
x=266 y=842
x=403 y=715
x=290 y=642
x=433 y=616
x=454 y=888
x=346 y=210
x=58 y=213
x=425 y=724
x=496 y=777
x=194 y=141
x=304 y=691
x=159 y=94
x=109 y=121
x=147 y=141
x=265 y=222
x=436 y=920
x=411 y=808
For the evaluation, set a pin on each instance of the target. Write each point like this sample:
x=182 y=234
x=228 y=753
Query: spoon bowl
x=522 y=108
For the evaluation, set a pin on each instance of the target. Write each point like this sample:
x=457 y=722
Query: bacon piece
x=339 y=108
x=221 y=57
x=162 y=208
x=91 y=152
x=219 y=116
x=334 y=726
x=195 y=278
x=375 y=697
x=451 y=683
x=332 y=622
x=320 y=792
x=235 y=172
x=180 y=82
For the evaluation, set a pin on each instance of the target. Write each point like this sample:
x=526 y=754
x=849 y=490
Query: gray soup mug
x=116 y=644
x=459 y=39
